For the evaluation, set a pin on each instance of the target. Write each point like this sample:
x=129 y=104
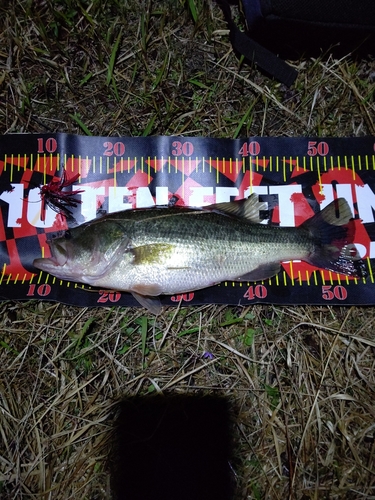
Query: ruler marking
x=149 y=170
x=291 y=272
x=44 y=168
x=115 y=174
x=353 y=167
x=315 y=278
x=370 y=269
x=183 y=176
x=3 y=273
x=322 y=276
x=308 y=277
x=319 y=174
x=330 y=277
x=11 y=167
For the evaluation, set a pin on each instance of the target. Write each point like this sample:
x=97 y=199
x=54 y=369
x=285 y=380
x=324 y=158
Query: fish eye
x=67 y=235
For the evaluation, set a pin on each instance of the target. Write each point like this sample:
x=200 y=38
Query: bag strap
x=254 y=52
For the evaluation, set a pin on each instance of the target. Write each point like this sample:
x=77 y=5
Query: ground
x=299 y=380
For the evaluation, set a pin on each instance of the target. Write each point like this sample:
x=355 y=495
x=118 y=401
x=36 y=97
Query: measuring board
x=297 y=177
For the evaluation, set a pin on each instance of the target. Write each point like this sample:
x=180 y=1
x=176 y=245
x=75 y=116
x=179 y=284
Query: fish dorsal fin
x=262 y=272
x=248 y=209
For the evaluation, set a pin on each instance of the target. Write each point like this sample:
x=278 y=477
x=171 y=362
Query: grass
x=300 y=379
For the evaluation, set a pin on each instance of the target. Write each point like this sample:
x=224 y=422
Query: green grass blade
x=144 y=324
x=112 y=59
x=80 y=123
x=244 y=120
x=150 y=124
x=193 y=10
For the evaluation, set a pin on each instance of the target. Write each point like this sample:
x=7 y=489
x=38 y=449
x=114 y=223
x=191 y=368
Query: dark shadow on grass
x=172 y=447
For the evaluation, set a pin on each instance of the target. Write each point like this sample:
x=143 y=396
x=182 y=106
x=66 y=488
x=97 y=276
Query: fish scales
x=204 y=247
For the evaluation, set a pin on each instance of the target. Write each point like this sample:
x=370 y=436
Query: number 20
x=117 y=149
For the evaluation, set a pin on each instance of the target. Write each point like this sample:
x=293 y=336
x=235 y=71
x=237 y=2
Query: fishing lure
x=55 y=195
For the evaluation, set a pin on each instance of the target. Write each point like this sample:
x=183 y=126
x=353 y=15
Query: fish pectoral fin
x=153 y=304
x=262 y=272
x=150 y=254
x=149 y=289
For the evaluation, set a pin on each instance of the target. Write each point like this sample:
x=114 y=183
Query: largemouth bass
x=162 y=250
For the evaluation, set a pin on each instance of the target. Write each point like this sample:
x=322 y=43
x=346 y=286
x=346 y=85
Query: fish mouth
x=59 y=253
x=58 y=258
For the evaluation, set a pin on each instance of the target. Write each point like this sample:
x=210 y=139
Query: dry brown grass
x=300 y=379
x=301 y=392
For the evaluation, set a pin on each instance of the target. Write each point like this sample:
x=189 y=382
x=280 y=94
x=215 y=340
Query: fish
x=173 y=250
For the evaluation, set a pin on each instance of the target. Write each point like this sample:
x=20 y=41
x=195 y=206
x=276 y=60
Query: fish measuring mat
x=296 y=177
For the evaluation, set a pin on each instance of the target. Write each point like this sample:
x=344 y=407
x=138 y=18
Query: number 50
x=315 y=148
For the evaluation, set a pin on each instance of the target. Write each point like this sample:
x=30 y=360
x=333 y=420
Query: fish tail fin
x=333 y=231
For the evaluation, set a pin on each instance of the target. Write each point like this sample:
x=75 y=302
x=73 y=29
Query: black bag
x=291 y=28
